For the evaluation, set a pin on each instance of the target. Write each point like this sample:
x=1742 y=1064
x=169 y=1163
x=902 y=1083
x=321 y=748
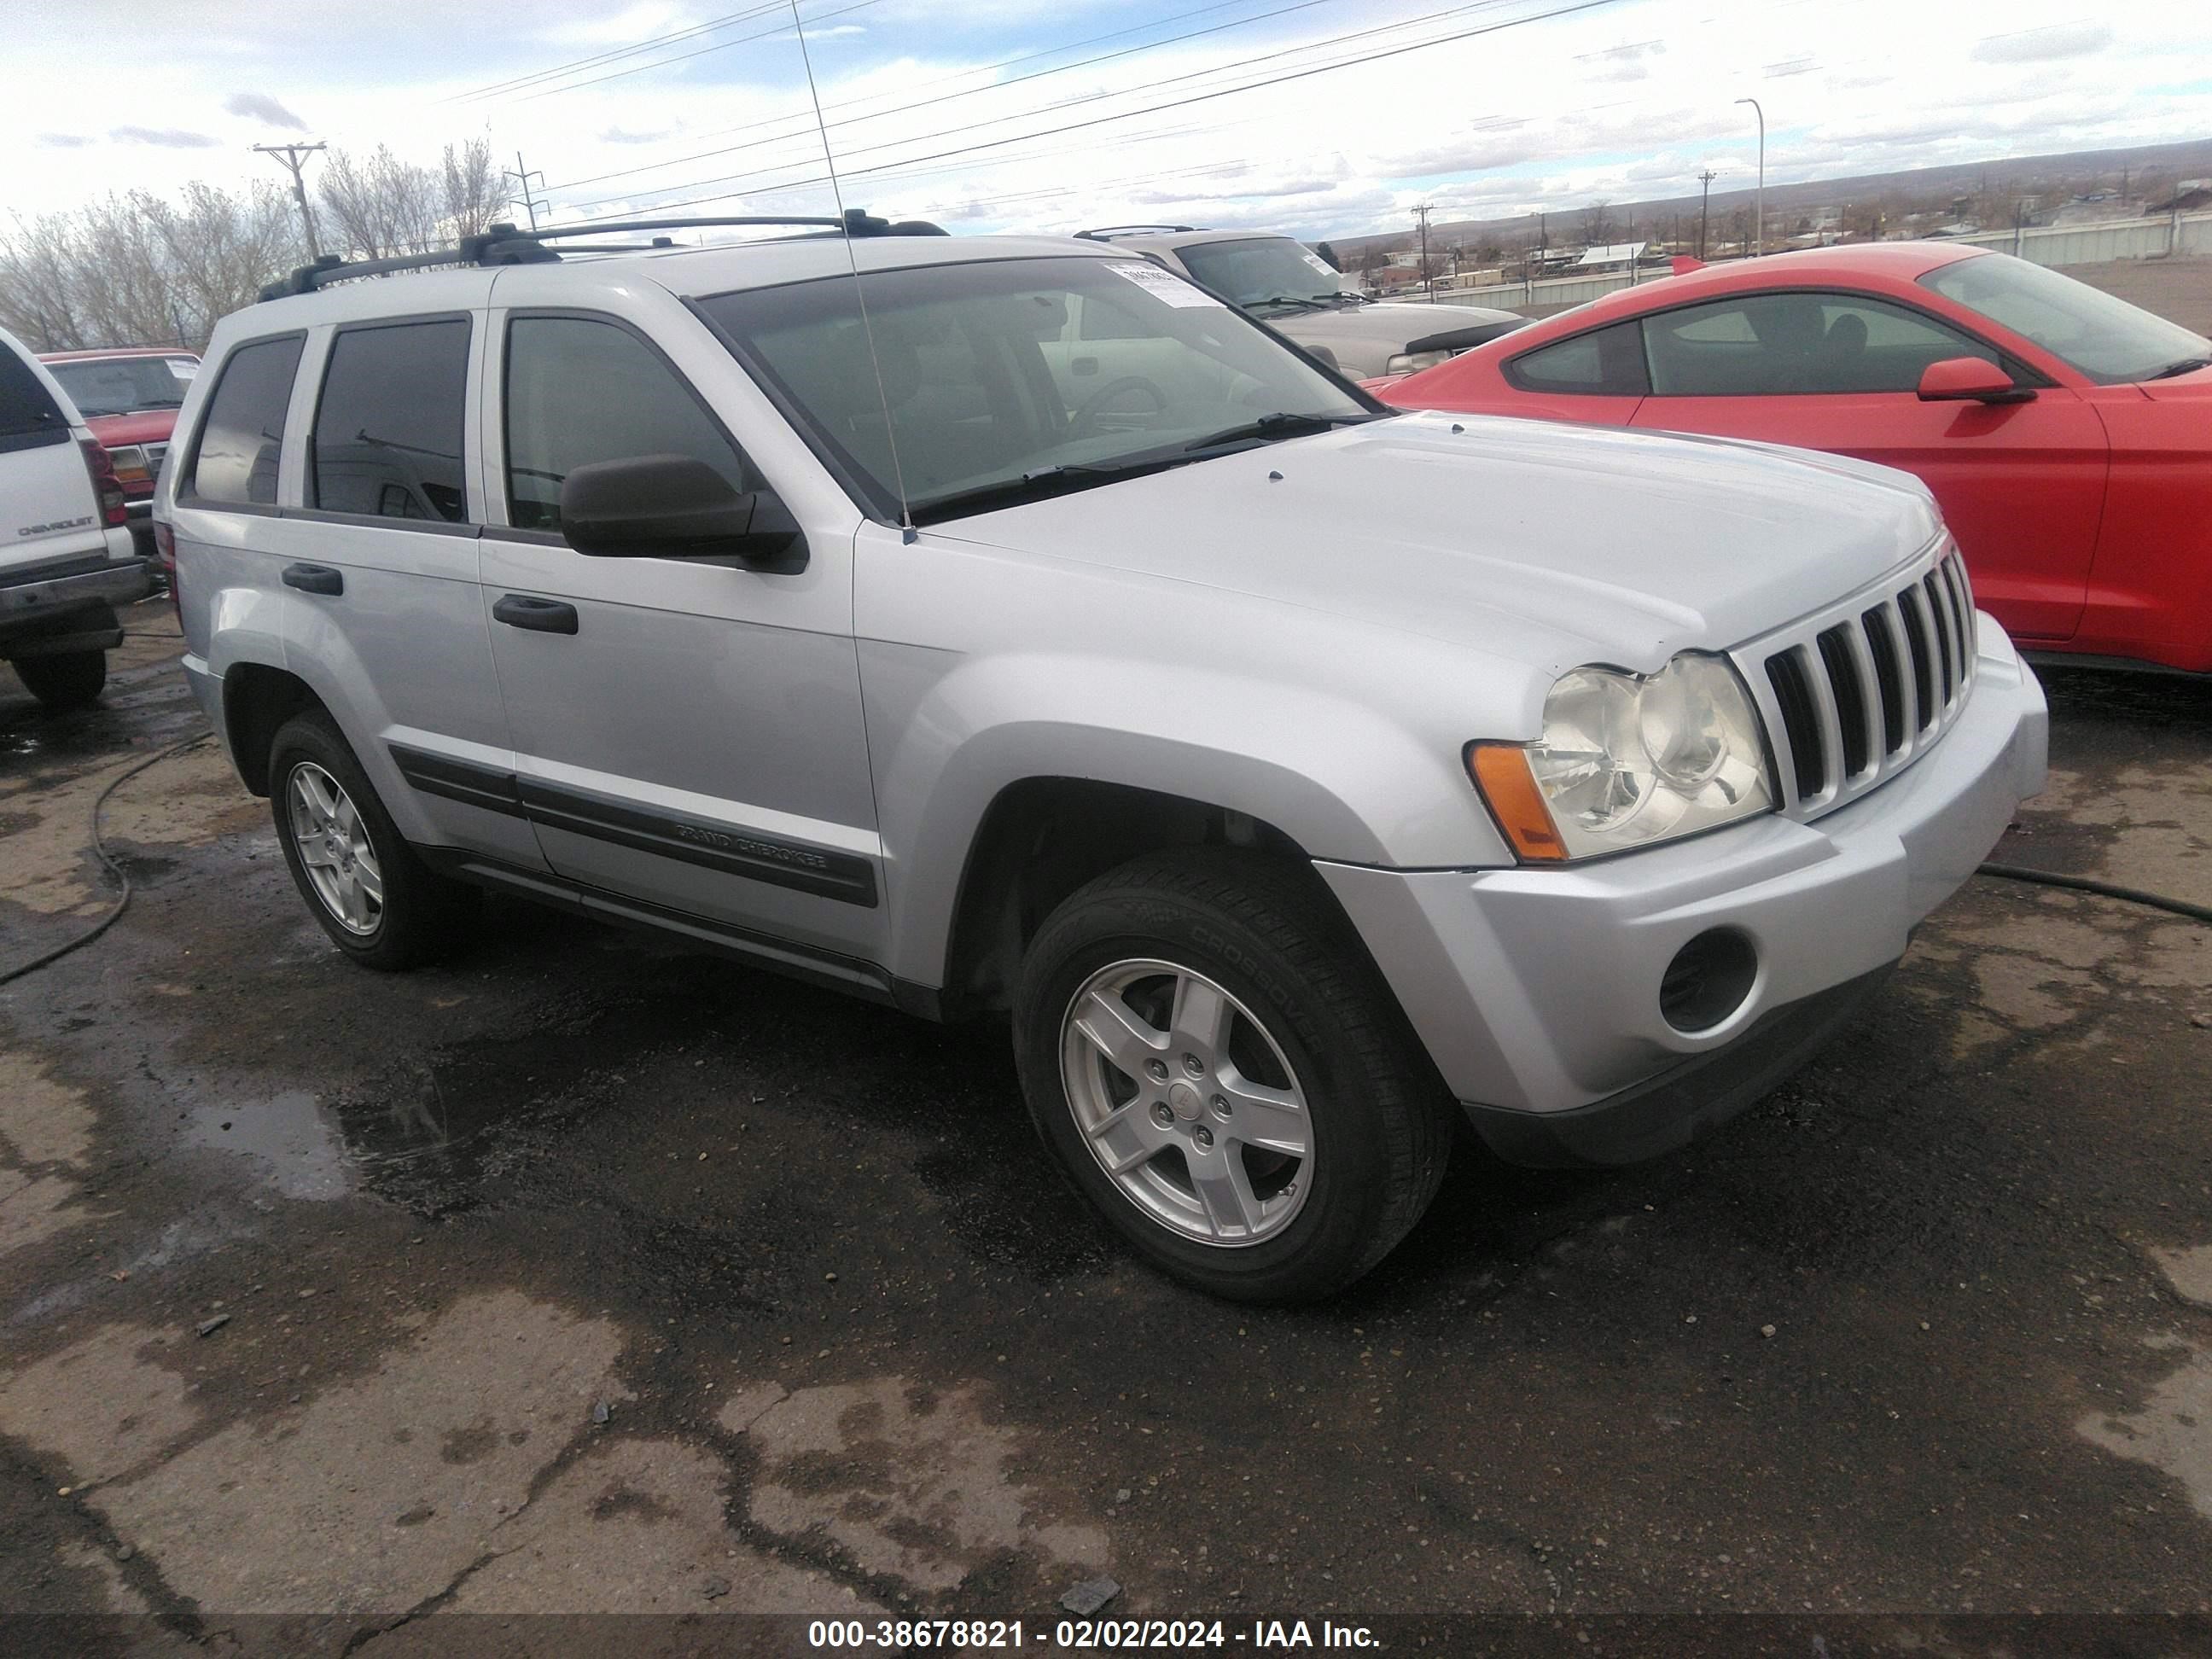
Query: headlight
x=131 y=464
x=1412 y=362
x=1629 y=759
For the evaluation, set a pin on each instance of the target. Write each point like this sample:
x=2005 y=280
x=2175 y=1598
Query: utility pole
x=1705 y=202
x=1759 y=200
x=295 y=158
x=522 y=176
x=1427 y=282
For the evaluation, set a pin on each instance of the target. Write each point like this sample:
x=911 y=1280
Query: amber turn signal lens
x=1500 y=771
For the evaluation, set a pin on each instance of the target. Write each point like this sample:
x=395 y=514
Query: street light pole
x=1759 y=210
x=1704 y=202
x=1427 y=281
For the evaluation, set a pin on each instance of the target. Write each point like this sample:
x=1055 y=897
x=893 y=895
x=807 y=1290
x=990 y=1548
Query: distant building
x=2189 y=196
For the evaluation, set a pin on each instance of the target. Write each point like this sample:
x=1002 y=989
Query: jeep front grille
x=1855 y=693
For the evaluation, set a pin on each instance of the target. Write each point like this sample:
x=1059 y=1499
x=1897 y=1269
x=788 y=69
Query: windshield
x=1013 y=375
x=2109 y=340
x=1265 y=268
x=118 y=386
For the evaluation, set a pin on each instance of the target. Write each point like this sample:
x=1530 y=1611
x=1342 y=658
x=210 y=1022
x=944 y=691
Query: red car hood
x=144 y=426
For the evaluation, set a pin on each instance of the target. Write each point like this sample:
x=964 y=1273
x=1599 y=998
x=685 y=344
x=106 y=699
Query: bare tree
x=379 y=207
x=137 y=270
x=1598 y=226
x=475 y=191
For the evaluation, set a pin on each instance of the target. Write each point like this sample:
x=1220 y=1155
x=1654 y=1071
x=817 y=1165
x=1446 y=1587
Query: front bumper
x=1536 y=992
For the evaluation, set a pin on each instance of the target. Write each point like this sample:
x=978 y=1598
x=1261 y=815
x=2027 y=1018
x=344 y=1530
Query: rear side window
x=1606 y=362
x=29 y=416
x=388 y=439
x=244 y=432
x=580 y=390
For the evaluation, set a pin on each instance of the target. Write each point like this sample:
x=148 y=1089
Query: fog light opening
x=1708 y=981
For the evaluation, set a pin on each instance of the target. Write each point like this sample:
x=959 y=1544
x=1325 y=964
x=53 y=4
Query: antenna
x=859 y=289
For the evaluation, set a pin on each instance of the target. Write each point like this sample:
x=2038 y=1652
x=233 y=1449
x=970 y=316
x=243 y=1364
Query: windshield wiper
x=1044 y=483
x=1286 y=300
x=1268 y=427
x=2186 y=366
x=161 y=402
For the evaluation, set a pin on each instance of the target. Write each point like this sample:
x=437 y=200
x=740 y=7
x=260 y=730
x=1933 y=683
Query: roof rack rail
x=509 y=245
x=1108 y=233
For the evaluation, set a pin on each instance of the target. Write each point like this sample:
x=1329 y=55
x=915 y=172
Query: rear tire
x=377 y=899
x=1206 y=1049
x=70 y=680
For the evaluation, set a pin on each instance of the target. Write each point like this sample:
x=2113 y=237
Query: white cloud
x=2039 y=46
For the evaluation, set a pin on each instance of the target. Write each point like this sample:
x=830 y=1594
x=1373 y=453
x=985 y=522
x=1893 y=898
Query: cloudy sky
x=1320 y=117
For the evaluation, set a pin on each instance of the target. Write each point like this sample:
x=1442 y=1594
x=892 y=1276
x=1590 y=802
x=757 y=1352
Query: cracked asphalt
x=585 y=1274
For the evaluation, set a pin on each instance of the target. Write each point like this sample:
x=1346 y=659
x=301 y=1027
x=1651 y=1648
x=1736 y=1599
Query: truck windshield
x=1261 y=270
x=1014 y=378
x=2107 y=339
x=121 y=385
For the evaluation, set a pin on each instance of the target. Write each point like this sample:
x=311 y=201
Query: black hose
x=2102 y=889
x=100 y=852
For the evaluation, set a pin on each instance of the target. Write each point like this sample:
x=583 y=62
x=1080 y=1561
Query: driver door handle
x=538 y=616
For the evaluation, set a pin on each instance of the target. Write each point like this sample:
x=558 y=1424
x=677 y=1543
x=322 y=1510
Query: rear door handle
x=539 y=615
x=314 y=579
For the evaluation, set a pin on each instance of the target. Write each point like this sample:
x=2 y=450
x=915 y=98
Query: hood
x=144 y=426
x=1551 y=544
x=1385 y=323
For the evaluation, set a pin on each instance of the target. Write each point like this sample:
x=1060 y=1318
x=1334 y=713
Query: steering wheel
x=1088 y=417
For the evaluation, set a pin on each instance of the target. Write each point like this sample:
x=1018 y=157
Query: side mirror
x=1969 y=380
x=675 y=507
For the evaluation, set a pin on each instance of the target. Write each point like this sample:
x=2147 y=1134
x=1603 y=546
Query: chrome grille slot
x=1853 y=694
x=1889 y=677
x=1801 y=722
x=1847 y=684
x=1924 y=660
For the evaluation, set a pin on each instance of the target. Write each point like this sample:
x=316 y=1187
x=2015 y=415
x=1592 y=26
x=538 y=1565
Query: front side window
x=580 y=390
x=124 y=385
x=244 y=433
x=1606 y=362
x=1796 y=342
x=2105 y=339
x=961 y=383
x=387 y=441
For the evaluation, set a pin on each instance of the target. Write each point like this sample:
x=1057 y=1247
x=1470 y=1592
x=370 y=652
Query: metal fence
x=2043 y=245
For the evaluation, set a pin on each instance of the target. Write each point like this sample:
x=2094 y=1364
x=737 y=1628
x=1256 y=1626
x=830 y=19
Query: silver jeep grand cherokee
x=1047 y=639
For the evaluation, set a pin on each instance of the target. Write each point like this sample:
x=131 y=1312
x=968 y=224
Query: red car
x=129 y=396
x=2067 y=435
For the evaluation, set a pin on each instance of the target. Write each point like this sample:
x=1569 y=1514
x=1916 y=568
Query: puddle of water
x=306 y=1159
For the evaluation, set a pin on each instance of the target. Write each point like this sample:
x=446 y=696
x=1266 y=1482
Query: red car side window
x=1606 y=362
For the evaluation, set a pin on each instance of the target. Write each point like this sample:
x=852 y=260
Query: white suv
x=1298 y=774
x=65 y=553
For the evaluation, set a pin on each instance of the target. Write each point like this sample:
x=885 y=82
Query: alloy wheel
x=1188 y=1102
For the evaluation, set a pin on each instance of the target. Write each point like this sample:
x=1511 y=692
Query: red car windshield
x=2107 y=339
x=122 y=386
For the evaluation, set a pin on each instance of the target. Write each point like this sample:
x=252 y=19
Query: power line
x=969 y=92
x=615 y=54
x=1218 y=69
x=686 y=56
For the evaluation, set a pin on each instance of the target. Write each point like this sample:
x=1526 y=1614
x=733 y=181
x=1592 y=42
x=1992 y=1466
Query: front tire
x=70 y=679
x=379 y=903
x=1207 y=1050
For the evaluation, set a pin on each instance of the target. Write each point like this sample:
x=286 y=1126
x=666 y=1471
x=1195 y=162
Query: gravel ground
x=585 y=1275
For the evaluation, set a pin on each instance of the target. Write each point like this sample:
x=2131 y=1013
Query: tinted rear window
x=1606 y=362
x=244 y=432
x=28 y=415
x=387 y=439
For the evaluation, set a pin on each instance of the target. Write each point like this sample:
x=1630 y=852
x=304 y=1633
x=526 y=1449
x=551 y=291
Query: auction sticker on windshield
x=1164 y=285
